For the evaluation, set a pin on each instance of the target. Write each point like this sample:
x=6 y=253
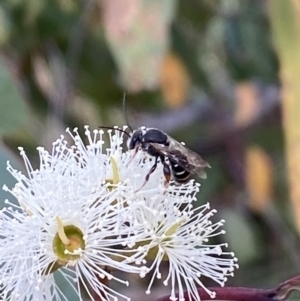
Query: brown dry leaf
x=137 y=32
x=296 y=4
x=285 y=22
x=247 y=104
x=174 y=81
x=259 y=178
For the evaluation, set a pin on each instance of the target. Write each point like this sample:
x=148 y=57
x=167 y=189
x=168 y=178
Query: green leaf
x=65 y=287
x=240 y=236
x=33 y=9
x=5 y=26
x=13 y=113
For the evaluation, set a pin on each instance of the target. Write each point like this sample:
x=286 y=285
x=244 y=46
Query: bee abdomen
x=179 y=173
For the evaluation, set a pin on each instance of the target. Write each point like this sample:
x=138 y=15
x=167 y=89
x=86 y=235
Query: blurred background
x=221 y=75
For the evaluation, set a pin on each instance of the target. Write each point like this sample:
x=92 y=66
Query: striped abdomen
x=180 y=175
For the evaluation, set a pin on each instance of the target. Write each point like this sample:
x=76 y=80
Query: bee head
x=136 y=138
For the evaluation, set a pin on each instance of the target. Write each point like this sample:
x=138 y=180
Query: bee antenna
x=125 y=113
x=113 y=128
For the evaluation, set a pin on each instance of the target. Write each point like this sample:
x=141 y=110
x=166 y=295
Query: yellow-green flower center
x=165 y=238
x=68 y=243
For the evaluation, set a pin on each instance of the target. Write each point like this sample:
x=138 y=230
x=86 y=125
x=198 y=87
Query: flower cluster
x=85 y=212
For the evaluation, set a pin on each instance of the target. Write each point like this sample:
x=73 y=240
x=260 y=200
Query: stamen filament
x=61 y=232
x=116 y=177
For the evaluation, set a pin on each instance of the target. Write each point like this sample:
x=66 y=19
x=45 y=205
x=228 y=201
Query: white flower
x=65 y=220
x=180 y=235
x=181 y=238
x=88 y=209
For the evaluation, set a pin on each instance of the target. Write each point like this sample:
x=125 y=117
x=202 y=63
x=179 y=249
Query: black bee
x=178 y=161
x=181 y=163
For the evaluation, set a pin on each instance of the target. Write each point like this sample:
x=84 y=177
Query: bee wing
x=184 y=157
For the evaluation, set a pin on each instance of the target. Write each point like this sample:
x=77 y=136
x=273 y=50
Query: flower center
x=68 y=243
x=162 y=240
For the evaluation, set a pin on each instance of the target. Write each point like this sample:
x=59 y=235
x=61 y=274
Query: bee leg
x=135 y=152
x=149 y=174
x=167 y=171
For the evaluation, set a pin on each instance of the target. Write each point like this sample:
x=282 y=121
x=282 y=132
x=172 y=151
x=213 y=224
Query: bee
x=178 y=161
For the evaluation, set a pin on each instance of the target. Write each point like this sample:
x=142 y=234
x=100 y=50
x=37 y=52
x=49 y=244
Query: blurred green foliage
x=59 y=68
x=13 y=113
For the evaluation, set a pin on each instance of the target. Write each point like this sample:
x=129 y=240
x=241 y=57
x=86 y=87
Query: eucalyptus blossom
x=87 y=211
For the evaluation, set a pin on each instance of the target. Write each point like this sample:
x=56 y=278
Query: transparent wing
x=184 y=157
